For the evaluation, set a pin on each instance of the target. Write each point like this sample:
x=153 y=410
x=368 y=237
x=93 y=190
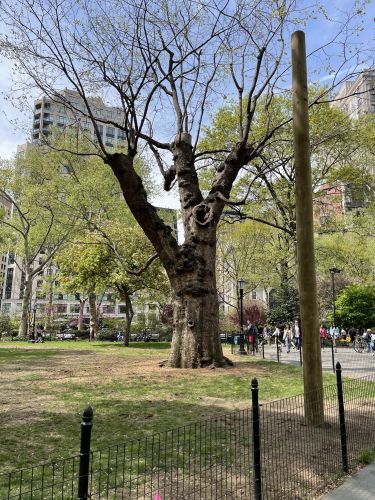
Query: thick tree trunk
x=26 y=302
x=196 y=341
x=94 y=327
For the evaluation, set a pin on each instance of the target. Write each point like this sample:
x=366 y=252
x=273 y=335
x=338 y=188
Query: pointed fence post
x=256 y=440
x=340 y=397
x=84 y=456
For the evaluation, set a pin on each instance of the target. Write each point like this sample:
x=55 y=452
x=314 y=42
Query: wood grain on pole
x=312 y=369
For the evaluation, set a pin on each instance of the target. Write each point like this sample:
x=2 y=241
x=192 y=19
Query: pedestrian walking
x=276 y=335
x=296 y=330
x=372 y=342
x=287 y=337
x=323 y=335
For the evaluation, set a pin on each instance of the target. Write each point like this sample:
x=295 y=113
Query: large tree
x=36 y=227
x=164 y=64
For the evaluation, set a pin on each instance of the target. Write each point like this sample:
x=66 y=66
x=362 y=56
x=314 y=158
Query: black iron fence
x=264 y=451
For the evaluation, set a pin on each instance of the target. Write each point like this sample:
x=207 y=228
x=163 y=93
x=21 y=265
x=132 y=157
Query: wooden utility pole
x=312 y=365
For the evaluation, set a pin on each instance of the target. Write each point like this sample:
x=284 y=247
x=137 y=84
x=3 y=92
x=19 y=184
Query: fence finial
x=254 y=383
x=88 y=414
x=338 y=365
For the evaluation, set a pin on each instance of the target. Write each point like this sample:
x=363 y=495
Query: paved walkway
x=358 y=487
x=353 y=364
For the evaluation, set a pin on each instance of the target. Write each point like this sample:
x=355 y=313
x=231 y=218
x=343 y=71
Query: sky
x=16 y=123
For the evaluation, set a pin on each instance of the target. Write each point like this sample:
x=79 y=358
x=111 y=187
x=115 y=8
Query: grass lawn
x=45 y=388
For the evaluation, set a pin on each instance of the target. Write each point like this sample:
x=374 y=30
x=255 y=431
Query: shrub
x=107 y=335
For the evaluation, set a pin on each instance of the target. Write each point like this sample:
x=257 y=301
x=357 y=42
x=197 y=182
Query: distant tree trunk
x=26 y=303
x=80 y=314
x=94 y=327
x=129 y=313
x=49 y=315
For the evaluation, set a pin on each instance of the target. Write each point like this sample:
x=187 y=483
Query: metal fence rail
x=265 y=451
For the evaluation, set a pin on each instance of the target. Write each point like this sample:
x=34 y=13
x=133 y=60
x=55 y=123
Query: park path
x=353 y=364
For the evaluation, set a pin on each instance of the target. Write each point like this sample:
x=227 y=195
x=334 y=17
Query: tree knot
x=202 y=214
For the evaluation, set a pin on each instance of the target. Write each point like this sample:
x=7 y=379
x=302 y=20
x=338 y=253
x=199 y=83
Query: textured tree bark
x=49 y=315
x=26 y=301
x=80 y=314
x=94 y=327
x=129 y=314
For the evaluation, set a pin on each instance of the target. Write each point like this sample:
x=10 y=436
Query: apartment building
x=69 y=110
x=357 y=96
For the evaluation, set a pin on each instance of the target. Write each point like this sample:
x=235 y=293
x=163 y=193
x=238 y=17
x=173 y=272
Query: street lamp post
x=241 y=283
x=333 y=271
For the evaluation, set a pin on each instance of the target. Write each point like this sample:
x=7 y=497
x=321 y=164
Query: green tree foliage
x=283 y=306
x=355 y=306
x=353 y=253
x=244 y=251
x=267 y=188
x=122 y=261
x=37 y=225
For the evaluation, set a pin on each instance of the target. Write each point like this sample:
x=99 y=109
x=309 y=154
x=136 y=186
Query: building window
x=254 y=294
x=324 y=219
x=5 y=308
x=110 y=132
x=74 y=308
x=121 y=309
x=60 y=308
x=9 y=283
x=108 y=309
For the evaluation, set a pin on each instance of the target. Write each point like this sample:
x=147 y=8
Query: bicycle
x=360 y=344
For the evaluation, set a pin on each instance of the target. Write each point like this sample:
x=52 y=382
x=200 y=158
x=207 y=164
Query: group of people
x=333 y=335
x=291 y=335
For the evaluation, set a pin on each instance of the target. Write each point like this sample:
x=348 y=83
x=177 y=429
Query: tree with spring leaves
x=165 y=64
x=36 y=227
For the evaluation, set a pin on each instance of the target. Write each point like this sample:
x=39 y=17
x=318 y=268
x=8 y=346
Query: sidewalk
x=358 y=487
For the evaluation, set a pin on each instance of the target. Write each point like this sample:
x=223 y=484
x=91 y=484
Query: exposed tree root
x=204 y=363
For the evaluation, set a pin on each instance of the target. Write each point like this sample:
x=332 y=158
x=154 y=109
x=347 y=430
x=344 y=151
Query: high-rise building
x=68 y=109
x=357 y=97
